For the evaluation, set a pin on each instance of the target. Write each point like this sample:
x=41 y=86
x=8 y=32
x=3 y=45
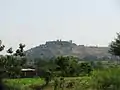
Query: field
x=29 y=83
x=22 y=84
x=108 y=79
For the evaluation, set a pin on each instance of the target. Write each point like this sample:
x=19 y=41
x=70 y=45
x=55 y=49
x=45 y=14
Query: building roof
x=28 y=69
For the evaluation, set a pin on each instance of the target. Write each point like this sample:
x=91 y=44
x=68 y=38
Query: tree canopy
x=115 y=46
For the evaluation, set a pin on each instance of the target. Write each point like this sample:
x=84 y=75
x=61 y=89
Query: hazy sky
x=88 y=22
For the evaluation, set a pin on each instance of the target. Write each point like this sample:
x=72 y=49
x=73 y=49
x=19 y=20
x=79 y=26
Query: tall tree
x=67 y=65
x=10 y=51
x=1 y=46
x=1 y=71
x=11 y=65
x=1 y=49
x=115 y=46
x=20 y=50
x=62 y=64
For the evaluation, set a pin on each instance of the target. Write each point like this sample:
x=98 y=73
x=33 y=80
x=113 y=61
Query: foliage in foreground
x=108 y=79
x=72 y=83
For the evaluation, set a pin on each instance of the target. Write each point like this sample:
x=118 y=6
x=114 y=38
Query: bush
x=73 y=83
x=108 y=79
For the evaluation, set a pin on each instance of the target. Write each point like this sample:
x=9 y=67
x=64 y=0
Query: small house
x=28 y=73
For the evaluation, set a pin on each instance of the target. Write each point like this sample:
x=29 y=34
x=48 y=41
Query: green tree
x=62 y=64
x=85 y=68
x=10 y=51
x=115 y=46
x=1 y=68
x=11 y=65
x=68 y=66
x=20 y=50
x=73 y=67
x=1 y=46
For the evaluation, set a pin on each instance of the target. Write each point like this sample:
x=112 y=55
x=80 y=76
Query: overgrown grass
x=108 y=79
x=71 y=83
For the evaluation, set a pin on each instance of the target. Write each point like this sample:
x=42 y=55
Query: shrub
x=108 y=79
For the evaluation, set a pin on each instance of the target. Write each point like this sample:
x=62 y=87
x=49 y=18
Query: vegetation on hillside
x=66 y=48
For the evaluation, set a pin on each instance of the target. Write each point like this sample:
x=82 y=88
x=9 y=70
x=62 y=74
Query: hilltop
x=57 y=48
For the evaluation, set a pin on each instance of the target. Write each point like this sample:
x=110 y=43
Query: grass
x=26 y=83
x=22 y=84
x=108 y=79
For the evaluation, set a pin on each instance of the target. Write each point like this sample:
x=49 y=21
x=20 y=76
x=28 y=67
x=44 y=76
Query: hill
x=57 y=48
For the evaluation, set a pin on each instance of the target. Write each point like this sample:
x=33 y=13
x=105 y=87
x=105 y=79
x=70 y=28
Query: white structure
x=28 y=69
